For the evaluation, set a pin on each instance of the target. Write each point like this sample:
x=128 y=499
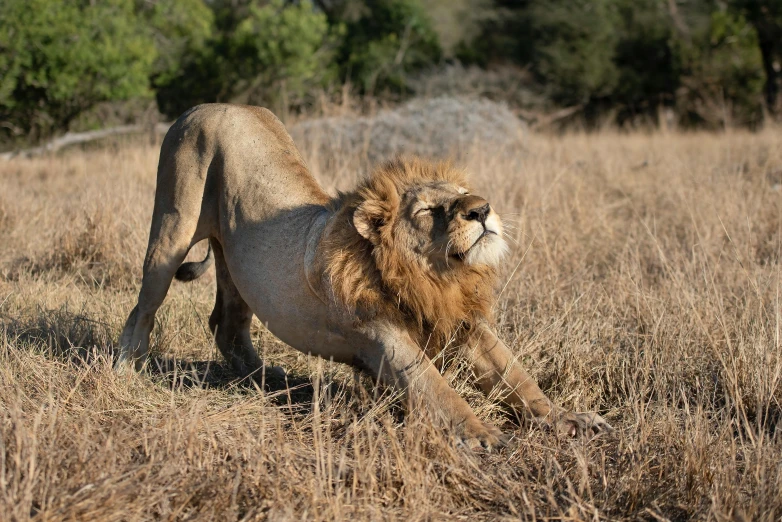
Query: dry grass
x=645 y=285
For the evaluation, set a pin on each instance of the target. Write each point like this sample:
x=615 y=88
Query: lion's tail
x=195 y=269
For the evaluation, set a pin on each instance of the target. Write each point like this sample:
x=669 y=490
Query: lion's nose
x=475 y=209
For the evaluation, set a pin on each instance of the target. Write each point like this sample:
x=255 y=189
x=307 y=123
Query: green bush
x=723 y=81
x=58 y=59
x=715 y=62
x=632 y=56
x=572 y=47
x=385 y=42
x=282 y=50
x=766 y=18
x=181 y=30
x=647 y=60
x=266 y=53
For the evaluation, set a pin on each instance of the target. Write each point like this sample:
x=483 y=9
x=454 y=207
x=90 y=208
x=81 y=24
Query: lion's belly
x=304 y=330
x=284 y=303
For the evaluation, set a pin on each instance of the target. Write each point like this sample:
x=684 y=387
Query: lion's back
x=234 y=129
x=250 y=148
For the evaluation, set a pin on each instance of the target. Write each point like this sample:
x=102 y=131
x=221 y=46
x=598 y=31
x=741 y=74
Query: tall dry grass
x=644 y=284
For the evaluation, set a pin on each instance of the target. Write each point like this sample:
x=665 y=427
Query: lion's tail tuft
x=195 y=269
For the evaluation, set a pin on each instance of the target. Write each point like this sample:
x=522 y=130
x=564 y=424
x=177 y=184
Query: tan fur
x=374 y=278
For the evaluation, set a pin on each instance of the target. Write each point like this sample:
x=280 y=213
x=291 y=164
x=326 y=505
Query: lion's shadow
x=81 y=341
x=281 y=387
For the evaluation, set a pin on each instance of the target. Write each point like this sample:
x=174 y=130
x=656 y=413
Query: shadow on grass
x=61 y=334
x=77 y=339
x=282 y=387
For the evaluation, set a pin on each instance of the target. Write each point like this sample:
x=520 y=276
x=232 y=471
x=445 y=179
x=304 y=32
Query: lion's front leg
x=393 y=356
x=495 y=366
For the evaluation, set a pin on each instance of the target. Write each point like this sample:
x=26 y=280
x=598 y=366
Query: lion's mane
x=384 y=281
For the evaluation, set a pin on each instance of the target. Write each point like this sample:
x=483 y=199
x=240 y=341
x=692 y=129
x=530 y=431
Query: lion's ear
x=368 y=218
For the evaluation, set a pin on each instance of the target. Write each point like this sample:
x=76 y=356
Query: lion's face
x=421 y=245
x=449 y=227
x=438 y=222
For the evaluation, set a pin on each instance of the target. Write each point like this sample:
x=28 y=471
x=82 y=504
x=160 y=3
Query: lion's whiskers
x=505 y=235
x=447 y=247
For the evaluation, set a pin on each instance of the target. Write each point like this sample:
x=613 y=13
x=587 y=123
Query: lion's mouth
x=460 y=256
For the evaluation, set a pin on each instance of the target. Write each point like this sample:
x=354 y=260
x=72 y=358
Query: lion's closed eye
x=423 y=211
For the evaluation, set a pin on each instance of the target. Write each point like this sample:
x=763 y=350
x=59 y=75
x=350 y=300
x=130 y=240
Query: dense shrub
x=387 y=41
x=723 y=79
x=703 y=58
x=269 y=53
x=647 y=59
x=711 y=63
x=573 y=45
x=58 y=59
x=181 y=30
x=766 y=18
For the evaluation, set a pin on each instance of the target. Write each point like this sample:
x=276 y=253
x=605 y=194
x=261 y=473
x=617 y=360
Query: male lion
x=379 y=278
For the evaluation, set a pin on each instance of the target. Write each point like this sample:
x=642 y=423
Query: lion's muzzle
x=476 y=232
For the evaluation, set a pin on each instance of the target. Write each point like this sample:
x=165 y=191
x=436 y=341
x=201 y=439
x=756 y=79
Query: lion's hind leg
x=230 y=321
x=159 y=270
x=171 y=236
x=167 y=250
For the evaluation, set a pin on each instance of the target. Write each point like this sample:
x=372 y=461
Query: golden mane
x=384 y=281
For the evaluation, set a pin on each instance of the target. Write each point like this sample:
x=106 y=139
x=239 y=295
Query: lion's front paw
x=476 y=434
x=572 y=424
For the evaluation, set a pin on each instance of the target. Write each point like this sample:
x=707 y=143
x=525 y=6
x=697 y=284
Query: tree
x=385 y=40
x=282 y=51
x=180 y=30
x=721 y=78
x=574 y=47
x=267 y=53
x=59 y=59
x=648 y=62
x=570 y=45
x=766 y=17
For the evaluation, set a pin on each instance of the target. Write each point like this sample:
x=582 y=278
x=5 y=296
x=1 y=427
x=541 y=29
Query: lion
x=380 y=278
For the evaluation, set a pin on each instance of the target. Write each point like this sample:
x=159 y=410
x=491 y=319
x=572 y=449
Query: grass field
x=644 y=284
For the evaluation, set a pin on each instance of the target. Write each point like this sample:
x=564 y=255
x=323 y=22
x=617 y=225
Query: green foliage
x=724 y=78
x=58 y=59
x=267 y=53
x=283 y=49
x=387 y=41
x=703 y=57
x=714 y=61
x=572 y=45
x=646 y=57
x=181 y=30
x=766 y=18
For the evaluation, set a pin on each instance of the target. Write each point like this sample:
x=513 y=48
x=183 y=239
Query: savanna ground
x=644 y=283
